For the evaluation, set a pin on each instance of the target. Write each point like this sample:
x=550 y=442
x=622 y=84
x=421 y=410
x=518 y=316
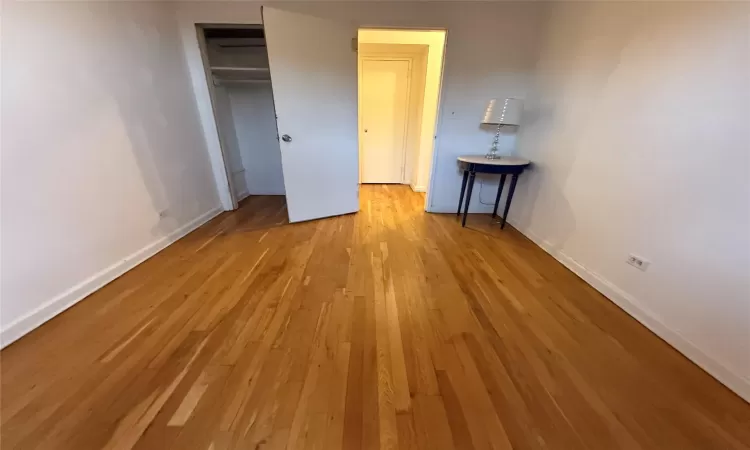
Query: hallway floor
x=389 y=328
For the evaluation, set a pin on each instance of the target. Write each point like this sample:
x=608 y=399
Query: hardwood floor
x=390 y=328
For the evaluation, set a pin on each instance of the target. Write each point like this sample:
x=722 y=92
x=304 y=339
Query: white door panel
x=385 y=102
x=314 y=79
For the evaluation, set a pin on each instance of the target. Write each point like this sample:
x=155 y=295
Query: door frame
x=217 y=148
x=383 y=52
x=190 y=21
x=439 y=107
x=203 y=47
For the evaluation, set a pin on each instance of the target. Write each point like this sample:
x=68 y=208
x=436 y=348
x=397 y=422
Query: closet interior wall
x=244 y=110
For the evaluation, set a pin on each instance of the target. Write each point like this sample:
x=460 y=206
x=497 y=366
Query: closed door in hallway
x=385 y=102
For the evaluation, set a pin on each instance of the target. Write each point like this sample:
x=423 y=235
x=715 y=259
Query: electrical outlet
x=637 y=262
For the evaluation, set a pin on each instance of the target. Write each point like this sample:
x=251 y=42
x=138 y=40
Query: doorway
x=400 y=73
x=236 y=62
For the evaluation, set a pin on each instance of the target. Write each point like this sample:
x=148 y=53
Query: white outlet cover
x=638 y=262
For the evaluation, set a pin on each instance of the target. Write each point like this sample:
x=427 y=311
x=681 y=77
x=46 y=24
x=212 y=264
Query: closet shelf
x=239 y=69
x=230 y=81
x=228 y=74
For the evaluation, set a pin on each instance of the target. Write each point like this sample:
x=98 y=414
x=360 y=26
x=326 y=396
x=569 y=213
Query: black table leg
x=472 y=175
x=512 y=189
x=463 y=189
x=499 y=193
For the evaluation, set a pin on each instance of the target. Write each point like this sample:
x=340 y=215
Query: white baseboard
x=734 y=381
x=419 y=188
x=50 y=309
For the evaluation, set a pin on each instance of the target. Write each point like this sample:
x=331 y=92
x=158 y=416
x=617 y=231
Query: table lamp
x=508 y=114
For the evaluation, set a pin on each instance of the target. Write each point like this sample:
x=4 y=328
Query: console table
x=504 y=166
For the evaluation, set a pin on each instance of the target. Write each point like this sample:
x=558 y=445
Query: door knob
x=286 y=138
x=365 y=130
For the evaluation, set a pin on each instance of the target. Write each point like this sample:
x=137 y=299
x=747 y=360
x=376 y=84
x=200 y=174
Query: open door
x=314 y=78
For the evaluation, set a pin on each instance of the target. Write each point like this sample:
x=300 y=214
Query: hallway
x=389 y=328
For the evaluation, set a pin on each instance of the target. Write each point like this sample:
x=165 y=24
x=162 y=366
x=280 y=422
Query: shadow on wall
x=543 y=186
x=556 y=127
x=638 y=113
x=101 y=136
x=154 y=108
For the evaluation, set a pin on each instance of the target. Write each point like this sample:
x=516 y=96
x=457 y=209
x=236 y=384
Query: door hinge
x=354 y=45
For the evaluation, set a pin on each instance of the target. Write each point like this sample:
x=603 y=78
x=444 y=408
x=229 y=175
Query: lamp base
x=492 y=154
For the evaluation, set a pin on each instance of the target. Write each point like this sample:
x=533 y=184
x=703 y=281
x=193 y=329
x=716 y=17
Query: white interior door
x=384 y=109
x=314 y=79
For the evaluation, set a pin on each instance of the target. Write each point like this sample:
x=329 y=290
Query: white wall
x=435 y=41
x=491 y=49
x=100 y=135
x=639 y=134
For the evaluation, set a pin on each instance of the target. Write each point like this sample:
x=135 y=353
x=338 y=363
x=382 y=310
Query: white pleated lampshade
x=507 y=113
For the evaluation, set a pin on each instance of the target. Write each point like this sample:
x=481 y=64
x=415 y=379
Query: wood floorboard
x=386 y=329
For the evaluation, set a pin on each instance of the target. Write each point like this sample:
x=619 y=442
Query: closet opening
x=235 y=59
